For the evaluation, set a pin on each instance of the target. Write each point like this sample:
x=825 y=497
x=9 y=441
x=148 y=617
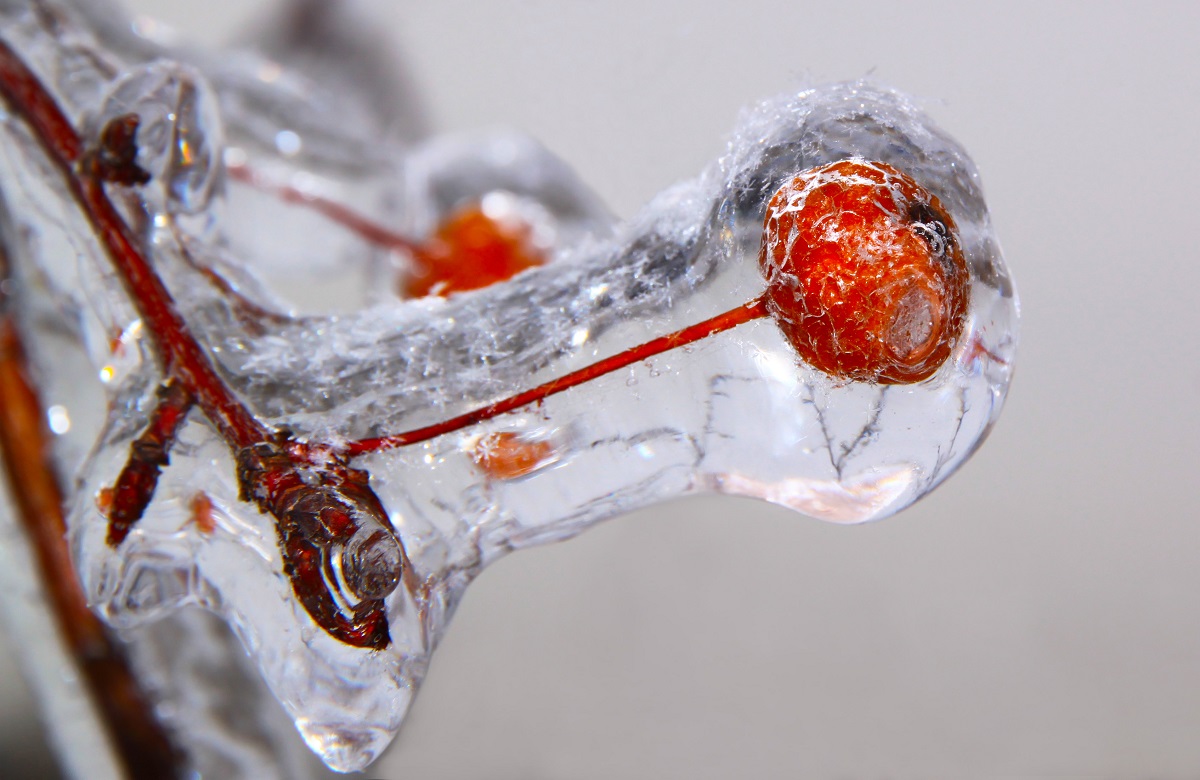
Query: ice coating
x=748 y=410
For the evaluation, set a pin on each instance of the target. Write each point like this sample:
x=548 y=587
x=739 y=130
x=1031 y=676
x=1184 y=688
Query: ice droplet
x=370 y=563
x=179 y=133
x=343 y=749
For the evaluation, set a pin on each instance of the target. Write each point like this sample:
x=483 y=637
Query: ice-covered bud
x=355 y=542
x=322 y=515
x=340 y=550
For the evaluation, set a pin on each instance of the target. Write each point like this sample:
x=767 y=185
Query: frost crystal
x=381 y=465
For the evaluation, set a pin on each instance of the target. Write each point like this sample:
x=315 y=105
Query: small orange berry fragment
x=471 y=250
x=865 y=272
x=202 y=513
x=105 y=500
x=508 y=455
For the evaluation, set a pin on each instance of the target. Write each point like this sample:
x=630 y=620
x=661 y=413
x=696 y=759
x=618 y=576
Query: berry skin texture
x=865 y=273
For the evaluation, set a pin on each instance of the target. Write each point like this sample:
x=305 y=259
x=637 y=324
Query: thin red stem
x=370 y=231
x=148 y=454
x=751 y=311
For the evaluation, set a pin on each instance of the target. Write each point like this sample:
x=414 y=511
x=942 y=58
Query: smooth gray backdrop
x=1038 y=616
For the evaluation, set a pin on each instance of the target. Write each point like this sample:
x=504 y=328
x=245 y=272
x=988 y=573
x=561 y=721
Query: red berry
x=865 y=272
x=508 y=455
x=471 y=250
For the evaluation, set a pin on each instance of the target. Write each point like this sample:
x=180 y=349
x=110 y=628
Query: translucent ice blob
x=821 y=319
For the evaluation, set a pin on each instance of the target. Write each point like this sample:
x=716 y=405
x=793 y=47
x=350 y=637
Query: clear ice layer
x=341 y=359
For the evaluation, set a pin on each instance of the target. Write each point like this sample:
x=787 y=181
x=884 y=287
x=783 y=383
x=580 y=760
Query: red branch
x=300 y=506
x=149 y=453
x=181 y=354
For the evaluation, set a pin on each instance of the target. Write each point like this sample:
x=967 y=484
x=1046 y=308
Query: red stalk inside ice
x=865 y=278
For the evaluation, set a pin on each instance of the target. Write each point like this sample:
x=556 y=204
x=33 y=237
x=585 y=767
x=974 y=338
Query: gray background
x=1035 y=617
